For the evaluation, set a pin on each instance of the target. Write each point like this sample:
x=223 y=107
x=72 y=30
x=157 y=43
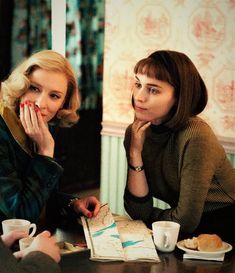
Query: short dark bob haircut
x=178 y=70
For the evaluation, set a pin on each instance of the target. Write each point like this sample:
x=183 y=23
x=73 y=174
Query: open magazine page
x=118 y=238
x=136 y=241
x=102 y=236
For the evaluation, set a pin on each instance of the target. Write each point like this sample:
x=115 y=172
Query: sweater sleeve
x=38 y=262
x=23 y=193
x=35 y=262
x=136 y=207
x=59 y=213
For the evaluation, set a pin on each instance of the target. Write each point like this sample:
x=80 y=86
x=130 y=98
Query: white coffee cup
x=25 y=242
x=18 y=224
x=165 y=235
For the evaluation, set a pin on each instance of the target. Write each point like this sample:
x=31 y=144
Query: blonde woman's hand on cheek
x=36 y=128
x=45 y=243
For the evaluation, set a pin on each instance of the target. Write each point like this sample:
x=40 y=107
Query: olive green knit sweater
x=187 y=169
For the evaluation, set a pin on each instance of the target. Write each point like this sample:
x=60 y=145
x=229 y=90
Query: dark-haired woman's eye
x=153 y=90
x=137 y=85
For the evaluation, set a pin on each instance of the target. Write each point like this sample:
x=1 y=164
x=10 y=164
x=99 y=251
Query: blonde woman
x=40 y=91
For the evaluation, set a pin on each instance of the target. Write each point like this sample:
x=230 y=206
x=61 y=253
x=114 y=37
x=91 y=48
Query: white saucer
x=66 y=251
x=225 y=248
x=68 y=248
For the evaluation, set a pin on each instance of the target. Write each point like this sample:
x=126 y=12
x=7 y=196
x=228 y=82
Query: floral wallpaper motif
x=31 y=29
x=73 y=35
x=84 y=46
x=204 y=30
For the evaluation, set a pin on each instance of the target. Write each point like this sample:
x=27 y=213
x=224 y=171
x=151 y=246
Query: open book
x=118 y=238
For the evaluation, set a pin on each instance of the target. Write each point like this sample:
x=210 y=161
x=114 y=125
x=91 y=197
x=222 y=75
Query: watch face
x=137 y=168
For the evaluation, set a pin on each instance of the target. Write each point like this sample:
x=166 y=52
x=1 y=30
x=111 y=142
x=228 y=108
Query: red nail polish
x=36 y=108
x=89 y=214
x=22 y=105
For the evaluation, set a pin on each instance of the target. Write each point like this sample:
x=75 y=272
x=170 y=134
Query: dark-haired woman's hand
x=137 y=183
x=138 y=130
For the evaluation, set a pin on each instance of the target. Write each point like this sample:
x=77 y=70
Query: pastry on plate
x=204 y=242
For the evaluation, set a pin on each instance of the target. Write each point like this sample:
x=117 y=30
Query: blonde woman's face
x=47 y=90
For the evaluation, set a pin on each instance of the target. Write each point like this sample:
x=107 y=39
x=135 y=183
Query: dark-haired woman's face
x=153 y=99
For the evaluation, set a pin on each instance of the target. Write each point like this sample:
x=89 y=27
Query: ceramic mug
x=18 y=224
x=165 y=235
x=25 y=242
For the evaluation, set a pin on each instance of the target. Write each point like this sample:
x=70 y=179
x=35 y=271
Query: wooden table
x=170 y=262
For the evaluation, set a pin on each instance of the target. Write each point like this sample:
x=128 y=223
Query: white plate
x=66 y=251
x=69 y=250
x=225 y=248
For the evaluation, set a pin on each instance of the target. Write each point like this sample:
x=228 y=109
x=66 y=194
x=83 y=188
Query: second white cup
x=25 y=242
x=165 y=235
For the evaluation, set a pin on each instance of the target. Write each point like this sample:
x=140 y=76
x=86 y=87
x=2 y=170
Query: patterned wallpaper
x=203 y=29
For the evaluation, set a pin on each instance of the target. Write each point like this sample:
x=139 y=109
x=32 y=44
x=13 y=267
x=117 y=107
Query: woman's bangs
x=146 y=67
x=152 y=69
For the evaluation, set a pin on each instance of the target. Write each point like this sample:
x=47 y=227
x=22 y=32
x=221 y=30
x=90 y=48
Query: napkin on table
x=200 y=257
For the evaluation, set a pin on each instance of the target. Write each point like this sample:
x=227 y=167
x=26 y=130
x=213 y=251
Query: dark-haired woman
x=173 y=154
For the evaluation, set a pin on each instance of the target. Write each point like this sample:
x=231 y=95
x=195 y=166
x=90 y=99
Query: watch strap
x=136 y=168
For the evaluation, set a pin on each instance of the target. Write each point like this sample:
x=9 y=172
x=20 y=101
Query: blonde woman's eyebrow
x=57 y=91
x=40 y=86
x=35 y=83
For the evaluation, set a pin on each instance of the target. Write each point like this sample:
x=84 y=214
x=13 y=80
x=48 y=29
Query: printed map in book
x=118 y=238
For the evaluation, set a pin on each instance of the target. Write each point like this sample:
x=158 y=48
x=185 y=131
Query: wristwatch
x=136 y=168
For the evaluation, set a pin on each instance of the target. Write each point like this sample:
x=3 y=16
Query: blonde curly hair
x=18 y=83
